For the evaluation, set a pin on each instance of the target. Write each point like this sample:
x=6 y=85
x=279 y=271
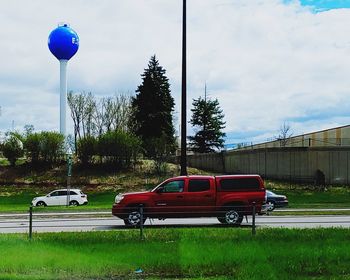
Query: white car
x=60 y=197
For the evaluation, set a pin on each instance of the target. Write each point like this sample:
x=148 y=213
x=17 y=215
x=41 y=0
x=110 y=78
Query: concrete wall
x=289 y=163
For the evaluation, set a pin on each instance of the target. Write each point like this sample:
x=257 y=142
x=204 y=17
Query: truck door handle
x=180 y=196
x=207 y=195
x=161 y=204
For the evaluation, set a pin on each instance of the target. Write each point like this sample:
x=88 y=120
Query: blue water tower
x=63 y=43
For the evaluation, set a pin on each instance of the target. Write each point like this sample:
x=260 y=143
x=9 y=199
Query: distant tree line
x=40 y=147
x=102 y=131
x=92 y=117
x=117 y=129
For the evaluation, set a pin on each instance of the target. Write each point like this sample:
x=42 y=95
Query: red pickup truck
x=227 y=197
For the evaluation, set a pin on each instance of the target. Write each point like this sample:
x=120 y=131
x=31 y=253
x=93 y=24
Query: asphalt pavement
x=90 y=221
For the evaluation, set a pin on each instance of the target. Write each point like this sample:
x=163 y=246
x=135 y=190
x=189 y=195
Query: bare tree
x=122 y=112
x=87 y=116
x=110 y=109
x=98 y=118
x=93 y=118
x=284 y=134
x=76 y=105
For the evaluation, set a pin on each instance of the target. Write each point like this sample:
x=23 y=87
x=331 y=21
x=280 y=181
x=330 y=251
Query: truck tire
x=231 y=217
x=133 y=218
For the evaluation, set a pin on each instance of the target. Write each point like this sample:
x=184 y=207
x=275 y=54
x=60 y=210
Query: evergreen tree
x=207 y=118
x=152 y=108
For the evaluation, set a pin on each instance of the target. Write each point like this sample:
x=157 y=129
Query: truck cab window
x=239 y=184
x=199 y=185
x=174 y=186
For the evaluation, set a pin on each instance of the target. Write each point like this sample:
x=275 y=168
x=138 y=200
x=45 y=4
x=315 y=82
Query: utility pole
x=183 y=97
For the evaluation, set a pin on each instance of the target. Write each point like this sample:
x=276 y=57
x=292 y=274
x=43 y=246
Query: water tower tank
x=63 y=42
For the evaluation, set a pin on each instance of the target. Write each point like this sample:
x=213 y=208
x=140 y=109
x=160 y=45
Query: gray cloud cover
x=266 y=62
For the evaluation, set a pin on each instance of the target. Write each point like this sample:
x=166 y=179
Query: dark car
x=275 y=200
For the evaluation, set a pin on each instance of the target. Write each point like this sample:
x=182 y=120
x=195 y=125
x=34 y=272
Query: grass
x=310 y=213
x=332 y=197
x=19 y=202
x=335 y=197
x=201 y=253
x=103 y=184
x=93 y=175
x=18 y=198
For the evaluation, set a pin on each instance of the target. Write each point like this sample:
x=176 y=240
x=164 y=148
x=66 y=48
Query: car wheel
x=270 y=206
x=74 y=203
x=232 y=217
x=40 y=203
x=134 y=218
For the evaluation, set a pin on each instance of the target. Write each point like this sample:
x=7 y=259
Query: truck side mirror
x=160 y=190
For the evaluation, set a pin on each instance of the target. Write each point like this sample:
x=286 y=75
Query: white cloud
x=265 y=61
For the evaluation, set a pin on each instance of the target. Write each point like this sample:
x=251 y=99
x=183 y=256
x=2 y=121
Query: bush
x=32 y=146
x=159 y=151
x=51 y=146
x=87 y=148
x=12 y=149
x=118 y=147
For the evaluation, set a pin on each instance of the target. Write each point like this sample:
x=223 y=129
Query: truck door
x=170 y=201
x=200 y=196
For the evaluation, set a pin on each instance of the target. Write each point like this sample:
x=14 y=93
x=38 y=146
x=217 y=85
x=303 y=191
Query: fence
x=294 y=164
x=35 y=221
x=297 y=141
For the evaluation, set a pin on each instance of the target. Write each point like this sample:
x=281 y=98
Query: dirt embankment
x=86 y=177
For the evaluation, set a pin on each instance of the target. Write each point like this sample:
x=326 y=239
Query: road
x=89 y=222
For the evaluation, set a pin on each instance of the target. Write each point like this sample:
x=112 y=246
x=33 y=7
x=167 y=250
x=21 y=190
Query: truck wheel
x=231 y=217
x=134 y=218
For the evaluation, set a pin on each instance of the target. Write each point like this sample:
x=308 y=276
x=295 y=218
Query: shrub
x=118 y=147
x=87 y=148
x=159 y=151
x=51 y=146
x=32 y=146
x=12 y=149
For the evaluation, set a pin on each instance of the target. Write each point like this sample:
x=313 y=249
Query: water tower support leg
x=63 y=95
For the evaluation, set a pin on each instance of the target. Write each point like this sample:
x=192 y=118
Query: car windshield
x=270 y=193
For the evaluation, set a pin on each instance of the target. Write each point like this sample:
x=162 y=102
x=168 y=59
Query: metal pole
x=183 y=96
x=63 y=95
x=253 y=225
x=69 y=174
x=30 y=222
x=68 y=190
x=141 y=222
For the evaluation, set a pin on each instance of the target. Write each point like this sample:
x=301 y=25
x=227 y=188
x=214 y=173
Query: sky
x=268 y=62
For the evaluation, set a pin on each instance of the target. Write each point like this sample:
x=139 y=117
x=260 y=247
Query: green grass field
x=19 y=202
x=225 y=253
x=13 y=199
x=333 y=197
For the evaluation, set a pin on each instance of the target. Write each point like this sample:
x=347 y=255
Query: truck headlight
x=119 y=198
